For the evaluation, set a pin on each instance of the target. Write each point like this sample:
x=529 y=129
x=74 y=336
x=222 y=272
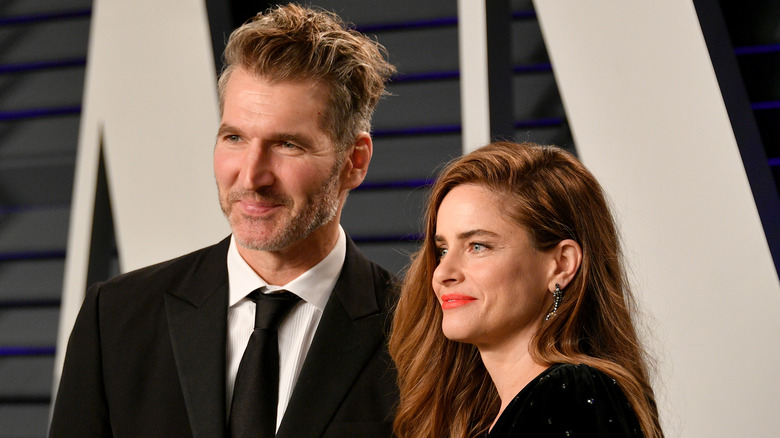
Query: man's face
x=277 y=171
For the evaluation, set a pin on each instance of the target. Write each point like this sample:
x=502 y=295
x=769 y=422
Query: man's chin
x=254 y=235
x=255 y=244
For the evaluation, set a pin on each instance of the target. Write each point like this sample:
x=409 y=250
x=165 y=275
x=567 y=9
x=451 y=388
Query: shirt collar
x=313 y=286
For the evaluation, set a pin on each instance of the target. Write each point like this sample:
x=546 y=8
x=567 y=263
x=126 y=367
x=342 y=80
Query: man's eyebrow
x=292 y=138
x=302 y=140
x=225 y=129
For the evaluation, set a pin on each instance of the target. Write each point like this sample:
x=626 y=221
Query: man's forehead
x=241 y=80
x=277 y=78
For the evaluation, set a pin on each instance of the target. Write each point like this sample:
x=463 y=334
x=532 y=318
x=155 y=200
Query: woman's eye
x=441 y=252
x=478 y=246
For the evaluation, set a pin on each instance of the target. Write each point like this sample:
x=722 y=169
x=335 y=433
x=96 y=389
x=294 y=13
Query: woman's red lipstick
x=451 y=301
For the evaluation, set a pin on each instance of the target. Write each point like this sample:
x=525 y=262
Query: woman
x=515 y=316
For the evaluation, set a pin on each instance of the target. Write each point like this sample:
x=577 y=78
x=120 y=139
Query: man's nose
x=256 y=168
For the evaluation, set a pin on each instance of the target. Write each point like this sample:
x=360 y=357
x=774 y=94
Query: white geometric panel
x=648 y=119
x=150 y=98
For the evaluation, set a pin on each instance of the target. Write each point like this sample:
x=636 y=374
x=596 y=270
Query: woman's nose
x=448 y=271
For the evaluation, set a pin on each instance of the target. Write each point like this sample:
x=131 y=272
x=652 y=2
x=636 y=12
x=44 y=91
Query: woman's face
x=492 y=284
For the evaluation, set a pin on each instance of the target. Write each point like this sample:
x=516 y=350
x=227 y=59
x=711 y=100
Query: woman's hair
x=294 y=43
x=445 y=388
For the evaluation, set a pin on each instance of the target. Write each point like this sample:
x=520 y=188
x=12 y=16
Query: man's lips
x=252 y=207
x=451 y=301
x=257 y=203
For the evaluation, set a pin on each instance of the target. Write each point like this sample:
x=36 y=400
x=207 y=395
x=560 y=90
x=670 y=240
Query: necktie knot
x=272 y=308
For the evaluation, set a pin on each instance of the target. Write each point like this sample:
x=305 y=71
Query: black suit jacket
x=146 y=357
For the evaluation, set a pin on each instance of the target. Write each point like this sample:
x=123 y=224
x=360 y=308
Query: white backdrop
x=648 y=119
x=150 y=92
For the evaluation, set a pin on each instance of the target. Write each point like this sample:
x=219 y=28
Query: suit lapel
x=350 y=330
x=197 y=319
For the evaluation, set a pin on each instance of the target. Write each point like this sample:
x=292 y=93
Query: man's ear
x=567 y=256
x=356 y=161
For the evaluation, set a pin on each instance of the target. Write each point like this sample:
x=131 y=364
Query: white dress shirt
x=298 y=327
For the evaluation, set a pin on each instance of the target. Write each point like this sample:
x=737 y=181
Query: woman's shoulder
x=570 y=400
x=571 y=381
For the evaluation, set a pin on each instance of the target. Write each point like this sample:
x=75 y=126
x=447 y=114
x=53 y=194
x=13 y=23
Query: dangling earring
x=557 y=297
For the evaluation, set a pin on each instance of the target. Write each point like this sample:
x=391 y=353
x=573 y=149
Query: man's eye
x=288 y=145
x=233 y=138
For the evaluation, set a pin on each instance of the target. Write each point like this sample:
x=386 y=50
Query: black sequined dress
x=568 y=401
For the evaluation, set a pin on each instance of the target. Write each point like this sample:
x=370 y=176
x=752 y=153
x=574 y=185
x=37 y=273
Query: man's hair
x=293 y=43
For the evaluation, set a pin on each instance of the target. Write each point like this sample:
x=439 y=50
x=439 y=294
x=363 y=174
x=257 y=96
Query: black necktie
x=256 y=391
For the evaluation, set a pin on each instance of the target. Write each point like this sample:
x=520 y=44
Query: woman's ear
x=568 y=257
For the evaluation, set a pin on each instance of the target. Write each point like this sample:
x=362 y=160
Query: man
x=156 y=352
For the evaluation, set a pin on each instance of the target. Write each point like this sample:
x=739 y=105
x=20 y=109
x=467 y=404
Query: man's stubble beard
x=319 y=209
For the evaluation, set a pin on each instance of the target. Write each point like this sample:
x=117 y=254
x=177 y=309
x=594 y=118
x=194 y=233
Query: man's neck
x=281 y=267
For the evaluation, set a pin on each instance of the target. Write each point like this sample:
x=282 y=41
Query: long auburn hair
x=445 y=389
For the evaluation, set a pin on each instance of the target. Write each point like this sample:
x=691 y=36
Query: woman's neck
x=510 y=371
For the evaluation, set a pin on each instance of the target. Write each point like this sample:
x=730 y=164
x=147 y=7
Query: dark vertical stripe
x=226 y=15
x=743 y=121
x=102 y=244
x=220 y=26
x=499 y=53
x=243 y=10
